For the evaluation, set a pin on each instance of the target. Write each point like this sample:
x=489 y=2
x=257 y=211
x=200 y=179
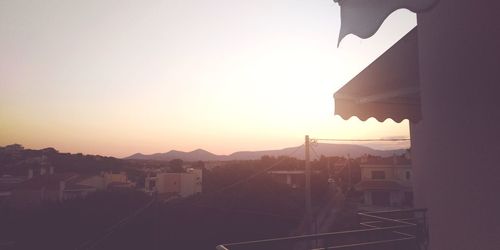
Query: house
x=386 y=182
x=7 y=184
x=191 y=182
x=163 y=183
x=443 y=77
x=42 y=186
x=182 y=184
x=104 y=180
x=73 y=190
x=96 y=181
x=116 y=179
x=292 y=178
x=47 y=188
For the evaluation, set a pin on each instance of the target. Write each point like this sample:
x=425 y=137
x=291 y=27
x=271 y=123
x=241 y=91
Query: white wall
x=168 y=183
x=191 y=182
x=183 y=184
x=394 y=173
x=456 y=146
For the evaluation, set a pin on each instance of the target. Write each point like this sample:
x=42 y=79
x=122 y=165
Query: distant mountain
x=319 y=149
x=195 y=155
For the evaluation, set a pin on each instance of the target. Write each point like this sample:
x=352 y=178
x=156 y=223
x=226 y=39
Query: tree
x=199 y=165
x=176 y=165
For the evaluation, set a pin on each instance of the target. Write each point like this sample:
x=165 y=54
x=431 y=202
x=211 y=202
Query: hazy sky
x=116 y=77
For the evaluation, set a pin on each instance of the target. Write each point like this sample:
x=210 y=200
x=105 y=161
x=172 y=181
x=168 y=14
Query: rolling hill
x=319 y=149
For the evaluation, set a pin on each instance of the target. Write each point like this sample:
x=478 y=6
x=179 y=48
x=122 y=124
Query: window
x=408 y=175
x=378 y=175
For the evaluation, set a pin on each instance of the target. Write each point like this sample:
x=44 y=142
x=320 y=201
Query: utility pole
x=350 y=171
x=308 y=186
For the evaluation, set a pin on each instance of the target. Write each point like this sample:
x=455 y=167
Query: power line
x=314 y=151
x=246 y=179
x=241 y=181
x=361 y=140
x=93 y=243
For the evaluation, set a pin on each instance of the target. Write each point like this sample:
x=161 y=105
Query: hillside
x=325 y=149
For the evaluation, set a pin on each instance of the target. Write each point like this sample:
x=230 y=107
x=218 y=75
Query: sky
x=116 y=77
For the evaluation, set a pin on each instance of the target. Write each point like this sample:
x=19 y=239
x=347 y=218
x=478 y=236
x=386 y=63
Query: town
x=112 y=203
x=108 y=108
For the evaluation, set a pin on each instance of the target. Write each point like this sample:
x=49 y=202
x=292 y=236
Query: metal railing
x=387 y=230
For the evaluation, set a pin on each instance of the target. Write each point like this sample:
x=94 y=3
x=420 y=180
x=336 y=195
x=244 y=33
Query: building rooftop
x=378 y=160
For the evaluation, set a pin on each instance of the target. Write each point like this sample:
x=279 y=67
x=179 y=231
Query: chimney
x=30 y=173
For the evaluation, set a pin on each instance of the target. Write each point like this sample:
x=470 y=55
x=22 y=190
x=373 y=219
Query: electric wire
x=360 y=140
x=246 y=179
x=94 y=242
x=314 y=152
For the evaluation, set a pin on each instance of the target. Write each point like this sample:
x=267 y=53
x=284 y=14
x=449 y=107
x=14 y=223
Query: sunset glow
x=120 y=77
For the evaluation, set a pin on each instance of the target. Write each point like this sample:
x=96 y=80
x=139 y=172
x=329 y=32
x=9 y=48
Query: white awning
x=387 y=88
x=364 y=17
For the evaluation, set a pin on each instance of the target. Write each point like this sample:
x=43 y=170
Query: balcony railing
x=387 y=230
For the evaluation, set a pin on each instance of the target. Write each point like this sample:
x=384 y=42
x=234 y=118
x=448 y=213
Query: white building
x=387 y=185
x=292 y=178
x=96 y=181
x=181 y=184
x=116 y=179
x=191 y=182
